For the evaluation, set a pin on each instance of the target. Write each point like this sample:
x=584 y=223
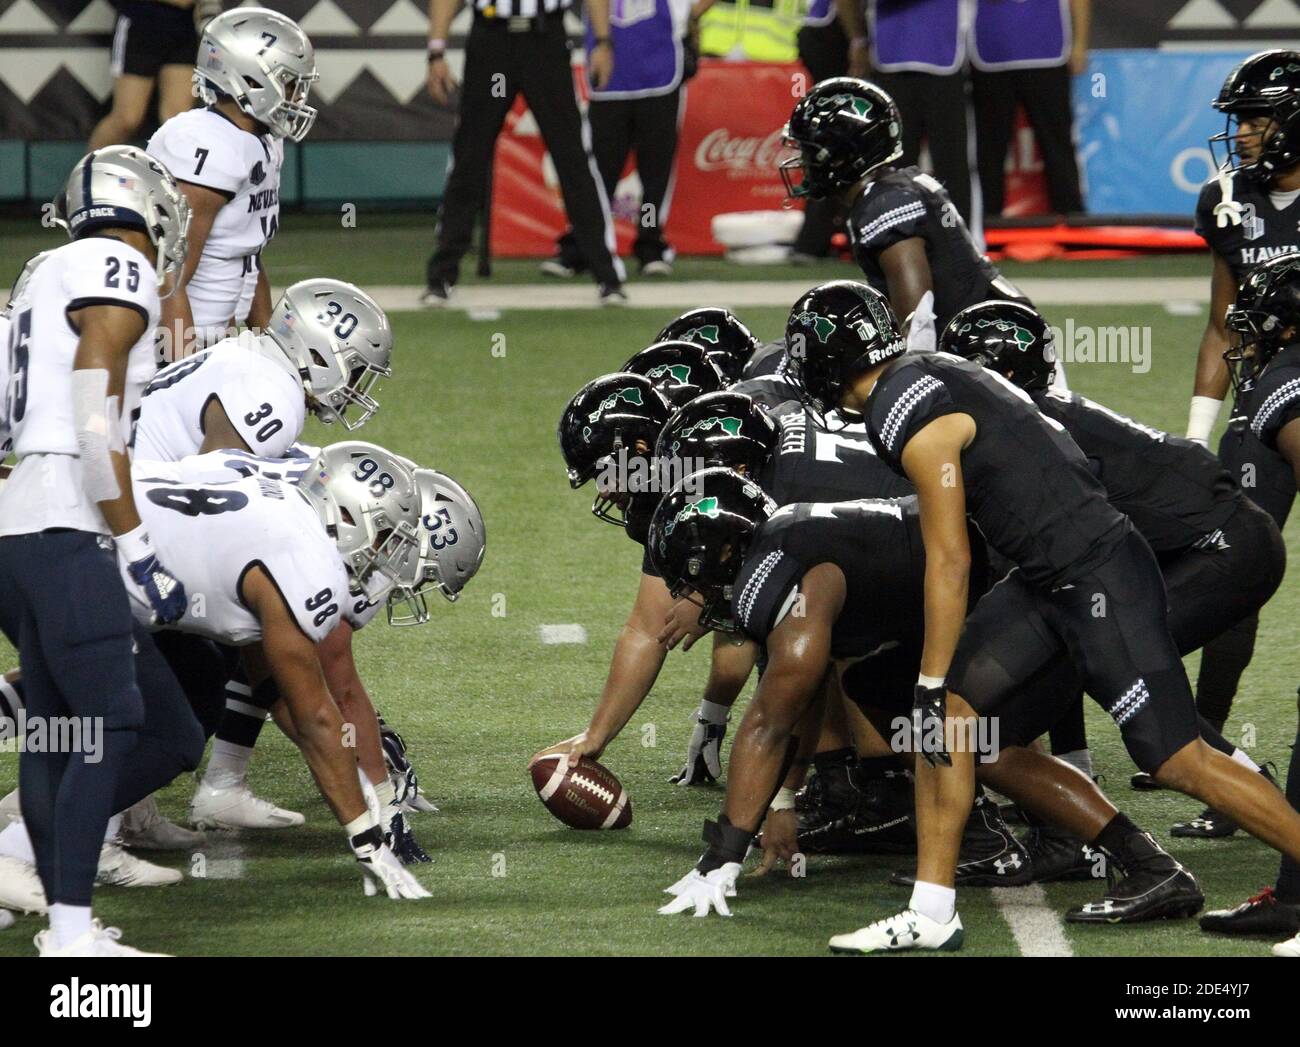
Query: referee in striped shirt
x=513 y=46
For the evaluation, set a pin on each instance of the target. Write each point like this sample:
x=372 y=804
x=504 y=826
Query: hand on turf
x=780 y=840
x=382 y=871
x=573 y=749
x=703 y=756
x=703 y=893
x=682 y=625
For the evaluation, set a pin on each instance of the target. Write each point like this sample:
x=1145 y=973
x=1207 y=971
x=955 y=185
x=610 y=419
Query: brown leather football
x=586 y=796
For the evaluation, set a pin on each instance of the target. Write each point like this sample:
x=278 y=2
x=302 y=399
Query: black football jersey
x=1028 y=486
x=905 y=203
x=768 y=391
x=1175 y=492
x=875 y=542
x=768 y=358
x=813 y=465
x=1275 y=399
x=1263 y=233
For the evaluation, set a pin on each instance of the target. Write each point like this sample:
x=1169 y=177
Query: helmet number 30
x=347 y=322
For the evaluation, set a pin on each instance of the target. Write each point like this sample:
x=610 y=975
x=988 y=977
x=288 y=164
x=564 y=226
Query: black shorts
x=149 y=36
x=1264 y=476
x=884 y=681
x=1112 y=624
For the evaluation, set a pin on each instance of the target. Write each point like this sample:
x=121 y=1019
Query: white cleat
x=10 y=811
x=6 y=919
x=20 y=887
x=908 y=929
x=119 y=868
x=237 y=808
x=99 y=941
x=1290 y=947
x=145 y=828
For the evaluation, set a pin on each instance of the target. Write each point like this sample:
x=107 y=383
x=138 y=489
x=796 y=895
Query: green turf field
x=476 y=693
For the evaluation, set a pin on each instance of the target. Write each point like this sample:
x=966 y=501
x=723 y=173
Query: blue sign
x=1142 y=120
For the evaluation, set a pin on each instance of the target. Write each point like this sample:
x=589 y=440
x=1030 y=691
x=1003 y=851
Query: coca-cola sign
x=741 y=156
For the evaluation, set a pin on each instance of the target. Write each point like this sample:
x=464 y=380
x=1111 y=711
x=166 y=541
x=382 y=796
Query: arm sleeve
x=902 y=404
x=190 y=157
x=886 y=218
x=1277 y=400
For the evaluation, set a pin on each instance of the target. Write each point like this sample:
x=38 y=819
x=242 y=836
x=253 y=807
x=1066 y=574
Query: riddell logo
x=718 y=151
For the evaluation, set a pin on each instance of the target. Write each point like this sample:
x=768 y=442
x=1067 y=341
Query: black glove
x=929 y=708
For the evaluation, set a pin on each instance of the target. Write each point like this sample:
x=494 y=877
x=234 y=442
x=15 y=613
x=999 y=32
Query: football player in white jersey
x=327 y=344
x=79 y=353
x=254 y=71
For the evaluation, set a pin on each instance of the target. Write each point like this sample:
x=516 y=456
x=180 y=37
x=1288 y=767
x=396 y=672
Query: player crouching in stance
x=806 y=580
x=1086 y=582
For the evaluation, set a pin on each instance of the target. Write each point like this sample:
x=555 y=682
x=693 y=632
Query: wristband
x=726 y=844
x=1201 y=416
x=437 y=45
x=783 y=800
x=929 y=682
x=136 y=544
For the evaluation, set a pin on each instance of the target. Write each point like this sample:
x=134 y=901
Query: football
x=587 y=796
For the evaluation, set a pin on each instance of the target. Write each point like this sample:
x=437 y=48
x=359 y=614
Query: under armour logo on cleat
x=1003 y=864
x=898 y=939
x=1102 y=908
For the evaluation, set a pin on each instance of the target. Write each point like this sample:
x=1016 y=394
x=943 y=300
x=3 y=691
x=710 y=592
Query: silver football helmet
x=338 y=339
x=264 y=63
x=452 y=540
x=366 y=497
x=121 y=185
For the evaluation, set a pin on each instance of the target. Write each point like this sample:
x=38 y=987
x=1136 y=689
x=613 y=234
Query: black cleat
x=1211 y=824
x=1263 y=916
x=1146 y=884
x=1057 y=856
x=1144 y=782
x=859 y=815
x=990 y=856
x=437 y=295
x=830 y=791
x=402 y=841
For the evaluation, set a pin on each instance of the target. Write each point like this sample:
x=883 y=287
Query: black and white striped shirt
x=520 y=8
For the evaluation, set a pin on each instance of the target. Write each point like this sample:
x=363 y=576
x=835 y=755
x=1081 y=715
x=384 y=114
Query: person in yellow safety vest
x=757 y=30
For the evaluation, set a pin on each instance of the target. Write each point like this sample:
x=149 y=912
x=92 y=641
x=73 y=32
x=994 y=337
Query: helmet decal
x=708 y=333
x=680 y=373
x=631 y=394
x=823 y=326
x=707 y=506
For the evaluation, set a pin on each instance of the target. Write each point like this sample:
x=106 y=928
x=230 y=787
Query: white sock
x=113 y=827
x=371 y=797
x=1080 y=760
x=228 y=765
x=932 y=900
x=68 y=922
x=386 y=795
x=712 y=712
x=16 y=844
x=1244 y=760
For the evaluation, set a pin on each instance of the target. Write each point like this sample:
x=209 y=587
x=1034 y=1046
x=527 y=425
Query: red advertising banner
x=726 y=161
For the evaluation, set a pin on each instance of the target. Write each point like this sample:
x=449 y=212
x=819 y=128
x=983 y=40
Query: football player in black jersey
x=1086 y=582
x=907 y=236
x=1222 y=557
x=719 y=332
x=1248 y=212
x=1264 y=325
x=840 y=585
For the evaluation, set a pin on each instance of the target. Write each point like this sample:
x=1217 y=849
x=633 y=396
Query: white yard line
x=562 y=633
x=1034 y=923
x=484 y=301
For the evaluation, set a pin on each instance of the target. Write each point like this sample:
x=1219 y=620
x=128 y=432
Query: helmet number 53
x=433 y=523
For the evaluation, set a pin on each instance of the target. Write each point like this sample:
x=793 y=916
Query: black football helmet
x=681 y=371
x=724 y=339
x=1007 y=337
x=844 y=129
x=836 y=330
x=1265 y=84
x=609 y=415
x=725 y=428
x=1268 y=304
x=700 y=534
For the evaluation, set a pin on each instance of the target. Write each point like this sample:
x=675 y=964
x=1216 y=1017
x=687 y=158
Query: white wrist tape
x=1201 y=417
x=135 y=544
x=357 y=826
x=98 y=428
x=784 y=800
x=929 y=681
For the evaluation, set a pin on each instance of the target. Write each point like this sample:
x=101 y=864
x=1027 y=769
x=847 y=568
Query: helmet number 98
x=347 y=322
x=368 y=470
x=433 y=524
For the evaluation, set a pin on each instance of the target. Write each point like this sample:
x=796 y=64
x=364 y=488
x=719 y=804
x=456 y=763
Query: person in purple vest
x=639 y=109
x=916 y=51
x=1025 y=53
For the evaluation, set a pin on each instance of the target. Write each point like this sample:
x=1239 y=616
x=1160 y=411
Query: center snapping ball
x=586 y=796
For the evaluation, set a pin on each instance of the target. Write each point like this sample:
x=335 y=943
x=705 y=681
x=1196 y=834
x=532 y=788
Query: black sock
x=1288 y=877
x=1223 y=660
x=831 y=759
x=1069 y=735
x=1125 y=842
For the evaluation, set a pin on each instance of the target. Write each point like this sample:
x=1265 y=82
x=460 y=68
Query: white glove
x=1227 y=211
x=383 y=871
x=704 y=754
x=703 y=893
x=921 y=335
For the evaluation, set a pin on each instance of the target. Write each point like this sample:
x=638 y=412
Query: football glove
x=382 y=871
x=401 y=841
x=704 y=754
x=163 y=590
x=929 y=708
x=406 y=786
x=703 y=892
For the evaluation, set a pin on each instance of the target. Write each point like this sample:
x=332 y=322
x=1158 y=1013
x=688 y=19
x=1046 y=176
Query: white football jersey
x=45 y=489
x=212 y=533
x=204 y=147
x=264 y=401
x=5 y=441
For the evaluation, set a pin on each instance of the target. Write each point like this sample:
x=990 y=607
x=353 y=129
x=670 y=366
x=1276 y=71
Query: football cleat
x=1144 y=782
x=1157 y=888
x=1057 y=856
x=237 y=808
x=402 y=842
x=10 y=811
x=118 y=868
x=406 y=784
x=557 y=266
x=144 y=828
x=908 y=929
x=859 y=815
x=1262 y=915
x=1211 y=824
x=611 y=294
x=990 y=855
x=437 y=295
x=20 y=887
x=6 y=919
x=99 y=941
x=1290 y=947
